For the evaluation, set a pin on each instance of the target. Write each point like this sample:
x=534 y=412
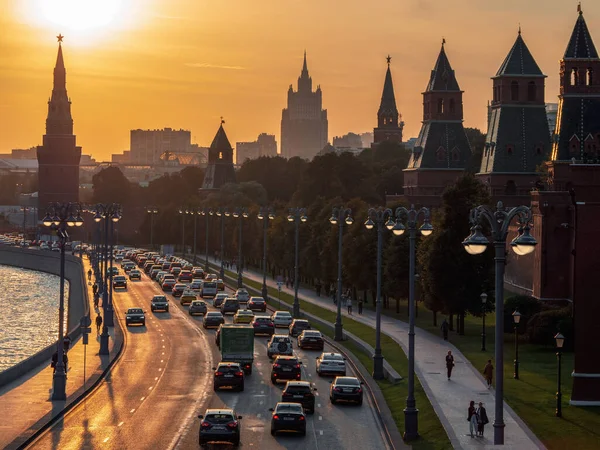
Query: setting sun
x=81 y=14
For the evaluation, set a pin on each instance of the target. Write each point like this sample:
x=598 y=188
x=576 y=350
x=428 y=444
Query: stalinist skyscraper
x=303 y=122
x=59 y=156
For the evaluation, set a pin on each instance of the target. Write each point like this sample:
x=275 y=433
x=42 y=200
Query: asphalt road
x=164 y=380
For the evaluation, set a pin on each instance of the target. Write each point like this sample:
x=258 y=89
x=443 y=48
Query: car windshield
x=257 y=300
x=209 y=285
x=160 y=298
x=347 y=381
x=245 y=312
x=219 y=418
x=281 y=339
x=134 y=311
x=332 y=357
x=197 y=303
x=297 y=389
x=119 y=278
x=262 y=319
x=301 y=324
x=283 y=315
x=213 y=314
x=312 y=333
x=289 y=408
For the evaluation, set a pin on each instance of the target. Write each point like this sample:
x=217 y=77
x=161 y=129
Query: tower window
x=390 y=120
x=455 y=154
x=574 y=76
x=441 y=154
x=514 y=91
x=440 y=107
x=531 y=88
x=220 y=155
x=509 y=149
x=590 y=76
x=452 y=106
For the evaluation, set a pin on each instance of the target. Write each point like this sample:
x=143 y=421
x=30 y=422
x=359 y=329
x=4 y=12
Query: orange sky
x=185 y=63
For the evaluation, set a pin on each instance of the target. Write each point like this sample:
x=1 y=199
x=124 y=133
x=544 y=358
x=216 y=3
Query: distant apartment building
x=265 y=145
x=367 y=139
x=551 y=114
x=350 y=140
x=148 y=146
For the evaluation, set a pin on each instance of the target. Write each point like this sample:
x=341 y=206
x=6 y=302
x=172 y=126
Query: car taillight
x=206 y=425
x=276 y=417
x=275 y=365
x=255 y=324
x=297 y=366
x=239 y=374
x=298 y=376
x=218 y=374
x=337 y=389
x=308 y=394
x=359 y=390
x=232 y=425
x=301 y=418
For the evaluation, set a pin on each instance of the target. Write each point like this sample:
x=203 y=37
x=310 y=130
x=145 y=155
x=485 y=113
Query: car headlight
x=128 y=318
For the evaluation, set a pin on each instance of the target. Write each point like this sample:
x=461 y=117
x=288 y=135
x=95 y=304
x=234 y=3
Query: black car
x=286 y=368
x=135 y=316
x=288 y=417
x=218 y=300
x=300 y=392
x=135 y=274
x=219 y=425
x=263 y=325
x=230 y=305
x=346 y=389
x=159 y=303
x=298 y=326
x=213 y=319
x=311 y=339
x=257 y=304
x=178 y=289
x=119 y=282
x=228 y=374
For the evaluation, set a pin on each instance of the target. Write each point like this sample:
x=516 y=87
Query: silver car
x=331 y=363
x=198 y=307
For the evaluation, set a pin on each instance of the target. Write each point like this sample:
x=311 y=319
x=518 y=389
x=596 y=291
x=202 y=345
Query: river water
x=28 y=313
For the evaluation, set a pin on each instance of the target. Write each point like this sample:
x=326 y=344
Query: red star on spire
x=60 y=37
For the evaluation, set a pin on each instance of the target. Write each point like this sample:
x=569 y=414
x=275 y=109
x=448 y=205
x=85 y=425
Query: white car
x=281 y=319
x=280 y=344
x=331 y=363
x=242 y=295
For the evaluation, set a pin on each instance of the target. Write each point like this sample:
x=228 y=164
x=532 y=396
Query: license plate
x=312 y=340
x=219 y=427
x=228 y=376
x=287 y=369
x=298 y=396
x=347 y=390
x=288 y=418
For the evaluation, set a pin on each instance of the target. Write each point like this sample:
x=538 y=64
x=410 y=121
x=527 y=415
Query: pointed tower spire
x=304 y=81
x=388 y=126
x=304 y=66
x=219 y=170
x=519 y=60
x=59 y=120
x=442 y=75
x=581 y=45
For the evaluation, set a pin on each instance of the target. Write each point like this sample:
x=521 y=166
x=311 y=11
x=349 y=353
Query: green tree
x=111 y=186
x=477 y=142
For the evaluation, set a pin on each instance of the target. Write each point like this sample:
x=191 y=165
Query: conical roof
x=519 y=61
x=60 y=63
x=581 y=45
x=221 y=142
x=388 y=99
x=442 y=75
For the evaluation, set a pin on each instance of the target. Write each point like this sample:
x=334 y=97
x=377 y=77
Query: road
x=163 y=381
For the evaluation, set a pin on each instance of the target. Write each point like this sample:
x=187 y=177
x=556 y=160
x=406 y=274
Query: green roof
x=581 y=45
x=519 y=61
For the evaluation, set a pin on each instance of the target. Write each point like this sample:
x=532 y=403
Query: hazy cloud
x=214 y=66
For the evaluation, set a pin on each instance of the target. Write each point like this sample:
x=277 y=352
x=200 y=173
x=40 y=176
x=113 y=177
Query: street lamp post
x=152 y=211
x=411 y=216
x=183 y=212
x=517 y=318
x=194 y=213
x=265 y=213
x=206 y=212
x=24 y=209
x=60 y=216
x=297 y=215
x=242 y=214
x=379 y=217
x=560 y=340
x=339 y=217
x=222 y=213
x=476 y=243
x=483 y=297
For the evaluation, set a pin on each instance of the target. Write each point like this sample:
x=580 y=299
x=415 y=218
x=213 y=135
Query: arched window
x=574 y=77
x=440 y=107
x=451 y=105
x=531 y=91
x=590 y=76
x=510 y=188
x=441 y=154
x=391 y=120
x=574 y=145
x=514 y=91
x=220 y=155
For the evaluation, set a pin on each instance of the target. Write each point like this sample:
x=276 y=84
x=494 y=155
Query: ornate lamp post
x=339 y=217
x=379 y=217
x=475 y=244
x=152 y=211
x=183 y=212
x=516 y=318
x=265 y=214
x=59 y=217
x=206 y=212
x=483 y=297
x=242 y=214
x=296 y=216
x=560 y=340
x=411 y=216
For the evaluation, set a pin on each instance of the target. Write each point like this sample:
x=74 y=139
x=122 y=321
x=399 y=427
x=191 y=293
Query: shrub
x=526 y=305
x=543 y=326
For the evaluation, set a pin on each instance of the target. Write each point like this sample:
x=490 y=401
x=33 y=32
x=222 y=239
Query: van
x=209 y=289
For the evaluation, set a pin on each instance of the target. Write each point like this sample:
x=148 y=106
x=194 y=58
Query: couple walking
x=477 y=418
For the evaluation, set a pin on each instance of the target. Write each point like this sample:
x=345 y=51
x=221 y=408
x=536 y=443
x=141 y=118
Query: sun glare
x=80 y=15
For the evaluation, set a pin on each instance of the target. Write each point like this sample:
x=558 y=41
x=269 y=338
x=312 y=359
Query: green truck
x=237 y=345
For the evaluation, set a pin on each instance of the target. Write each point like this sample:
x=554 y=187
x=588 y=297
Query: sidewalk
x=450 y=399
x=26 y=401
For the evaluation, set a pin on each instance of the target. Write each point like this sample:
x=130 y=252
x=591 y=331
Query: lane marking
x=106 y=440
x=321 y=432
x=320 y=417
x=155 y=378
x=150 y=388
x=318 y=405
x=316 y=393
x=132 y=410
x=121 y=424
x=142 y=399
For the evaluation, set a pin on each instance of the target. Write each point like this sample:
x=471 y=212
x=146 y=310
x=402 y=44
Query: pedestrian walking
x=360 y=307
x=349 y=304
x=472 y=418
x=96 y=300
x=482 y=419
x=449 y=363
x=444 y=329
x=67 y=342
x=488 y=373
x=318 y=288
x=95 y=288
x=89 y=275
x=98 y=323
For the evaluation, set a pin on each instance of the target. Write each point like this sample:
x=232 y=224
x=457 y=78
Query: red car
x=168 y=285
x=185 y=276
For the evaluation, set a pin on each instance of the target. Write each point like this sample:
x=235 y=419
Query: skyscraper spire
x=59 y=120
x=304 y=81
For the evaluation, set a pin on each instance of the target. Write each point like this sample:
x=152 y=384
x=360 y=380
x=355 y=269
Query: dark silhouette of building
x=518 y=140
x=220 y=162
x=442 y=151
x=303 y=123
x=59 y=156
x=265 y=145
x=389 y=122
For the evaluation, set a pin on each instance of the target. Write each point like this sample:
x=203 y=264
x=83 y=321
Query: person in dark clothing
x=67 y=342
x=95 y=289
x=444 y=329
x=472 y=418
x=318 y=289
x=89 y=275
x=55 y=361
x=360 y=306
x=488 y=373
x=449 y=363
x=98 y=323
x=482 y=419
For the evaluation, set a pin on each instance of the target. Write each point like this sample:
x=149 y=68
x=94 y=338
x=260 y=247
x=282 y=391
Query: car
x=298 y=326
x=187 y=266
x=288 y=417
x=311 y=339
x=174 y=264
x=331 y=363
x=184 y=276
x=300 y=392
x=175 y=271
x=135 y=274
x=187 y=297
x=167 y=285
x=243 y=316
x=129 y=265
x=179 y=289
x=159 y=303
x=219 y=425
x=281 y=319
x=220 y=285
x=279 y=344
x=209 y=289
x=228 y=374
x=230 y=305
x=195 y=285
x=346 y=389
x=257 y=304
x=263 y=325
x=286 y=368
x=218 y=336
x=160 y=276
x=113 y=269
x=210 y=277
x=242 y=295
x=213 y=319
x=198 y=272
x=119 y=281
x=197 y=307
x=135 y=316
x=219 y=299
x=154 y=273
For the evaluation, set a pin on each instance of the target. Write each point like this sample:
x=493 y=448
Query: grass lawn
x=433 y=435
